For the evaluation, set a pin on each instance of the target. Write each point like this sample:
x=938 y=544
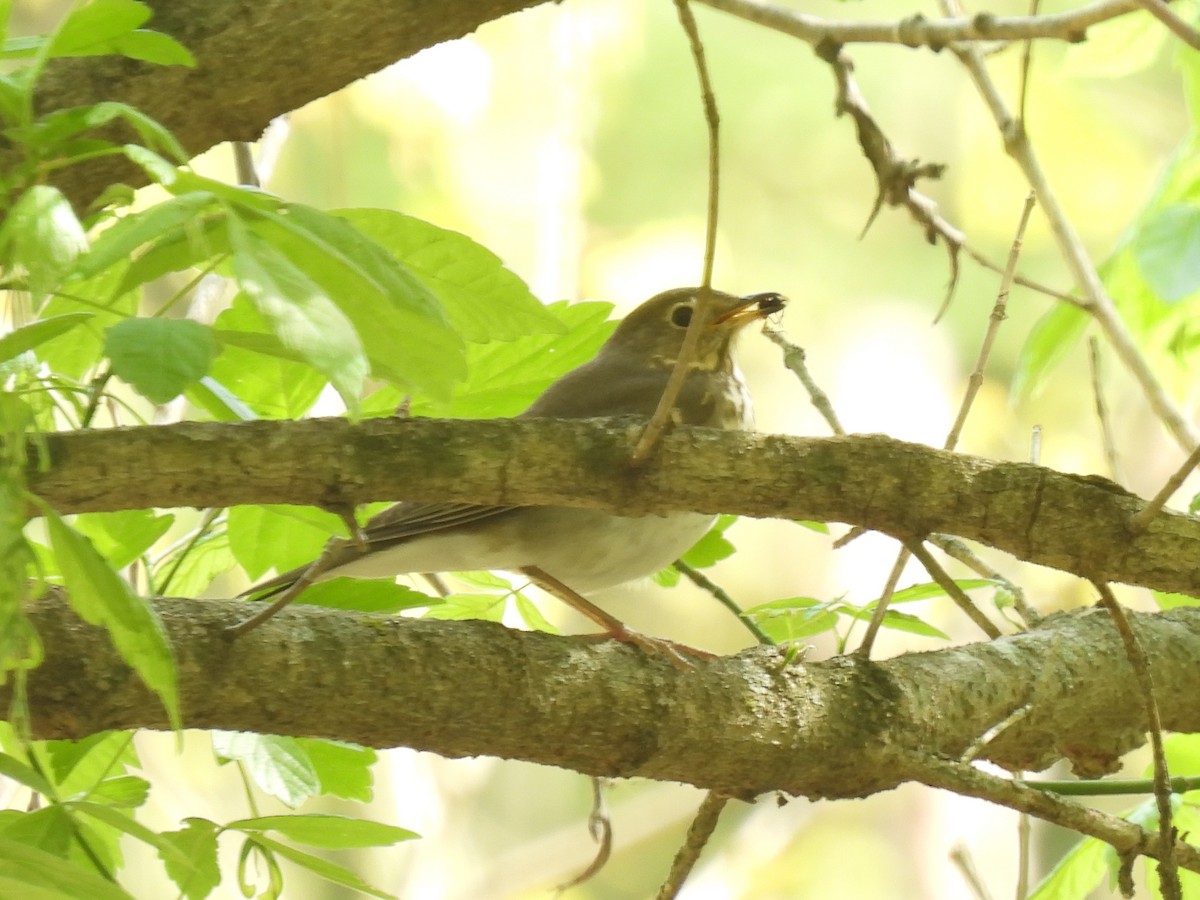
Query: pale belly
x=587 y=550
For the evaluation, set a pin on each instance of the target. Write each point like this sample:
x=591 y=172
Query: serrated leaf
x=282 y=537
x=11 y=767
x=505 y=378
x=273 y=381
x=196 y=842
x=205 y=560
x=300 y=312
x=404 y=330
x=160 y=357
x=532 y=616
x=90 y=27
x=123 y=791
x=344 y=769
x=278 y=765
x=25 y=869
x=485 y=300
x=488 y=607
x=325 y=869
x=36 y=333
x=79 y=765
x=328 y=831
x=1078 y=873
x=78 y=351
x=100 y=597
x=713 y=547
x=125 y=824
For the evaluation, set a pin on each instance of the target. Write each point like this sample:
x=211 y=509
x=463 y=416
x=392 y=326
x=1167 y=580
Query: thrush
x=568 y=551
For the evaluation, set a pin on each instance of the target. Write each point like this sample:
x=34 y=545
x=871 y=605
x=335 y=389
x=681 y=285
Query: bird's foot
x=682 y=655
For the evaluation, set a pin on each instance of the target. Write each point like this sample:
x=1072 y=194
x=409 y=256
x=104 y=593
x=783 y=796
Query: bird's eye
x=681 y=315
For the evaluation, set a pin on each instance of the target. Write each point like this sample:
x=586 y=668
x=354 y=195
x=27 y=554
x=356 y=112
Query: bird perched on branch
x=569 y=551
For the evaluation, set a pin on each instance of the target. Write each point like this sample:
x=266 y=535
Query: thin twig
x=794 y=358
x=1023 y=281
x=1106 y=434
x=600 y=827
x=662 y=413
x=968 y=781
x=881 y=605
x=1024 y=833
x=308 y=577
x=697 y=837
x=961 y=857
x=243 y=159
x=989 y=337
x=1175 y=25
x=919 y=31
x=1098 y=303
x=1112 y=787
x=956 y=549
x=946 y=583
x=1168 y=866
x=702 y=581
x=1026 y=59
x=1142 y=520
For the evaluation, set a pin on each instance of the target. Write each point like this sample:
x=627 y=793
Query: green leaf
x=123 y=791
x=487 y=607
x=129 y=234
x=278 y=765
x=343 y=769
x=100 y=597
x=1078 y=873
x=404 y=331
x=89 y=28
x=713 y=547
x=11 y=767
x=273 y=381
x=1171 y=601
x=154 y=47
x=282 y=537
x=818 y=527
x=365 y=595
x=205 y=560
x=196 y=842
x=79 y=766
x=485 y=301
x=121 y=537
x=792 y=618
x=300 y=312
x=160 y=357
x=125 y=824
x=76 y=352
x=328 y=831
x=899 y=621
x=41 y=235
x=49 y=828
x=325 y=869
x=26 y=870
x=503 y=379
x=34 y=334
x=1049 y=342
x=1167 y=249
x=933 y=589
x=532 y=616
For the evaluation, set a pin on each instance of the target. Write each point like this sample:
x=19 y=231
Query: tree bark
x=1075 y=523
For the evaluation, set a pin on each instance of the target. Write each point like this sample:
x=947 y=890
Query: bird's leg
x=613 y=627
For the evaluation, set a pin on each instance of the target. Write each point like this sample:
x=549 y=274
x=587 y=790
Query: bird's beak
x=753 y=307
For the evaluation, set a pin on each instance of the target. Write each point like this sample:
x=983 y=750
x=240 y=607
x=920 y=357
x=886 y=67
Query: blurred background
x=570 y=140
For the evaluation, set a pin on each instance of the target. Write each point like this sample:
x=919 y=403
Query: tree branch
x=1070 y=522
x=741 y=725
x=255 y=61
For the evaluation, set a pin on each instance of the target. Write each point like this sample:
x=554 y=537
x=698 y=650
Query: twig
x=1112 y=787
x=1175 y=25
x=1106 y=435
x=243 y=158
x=794 y=358
x=1025 y=282
x=1142 y=520
x=600 y=826
x=956 y=549
x=1168 y=866
x=881 y=605
x=968 y=781
x=662 y=413
x=1026 y=59
x=1024 y=833
x=697 y=837
x=989 y=338
x=1098 y=303
x=961 y=857
x=946 y=583
x=918 y=31
x=702 y=581
x=307 y=578
x=895 y=177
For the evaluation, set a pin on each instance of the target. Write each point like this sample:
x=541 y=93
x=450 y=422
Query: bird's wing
x=389 y=527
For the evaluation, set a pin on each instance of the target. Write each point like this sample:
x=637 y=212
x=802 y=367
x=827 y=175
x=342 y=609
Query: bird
x=569 y=551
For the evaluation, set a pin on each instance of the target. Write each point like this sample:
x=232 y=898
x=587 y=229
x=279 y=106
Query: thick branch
x=742 y=725
x=1069 y=522
x=255 y=61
